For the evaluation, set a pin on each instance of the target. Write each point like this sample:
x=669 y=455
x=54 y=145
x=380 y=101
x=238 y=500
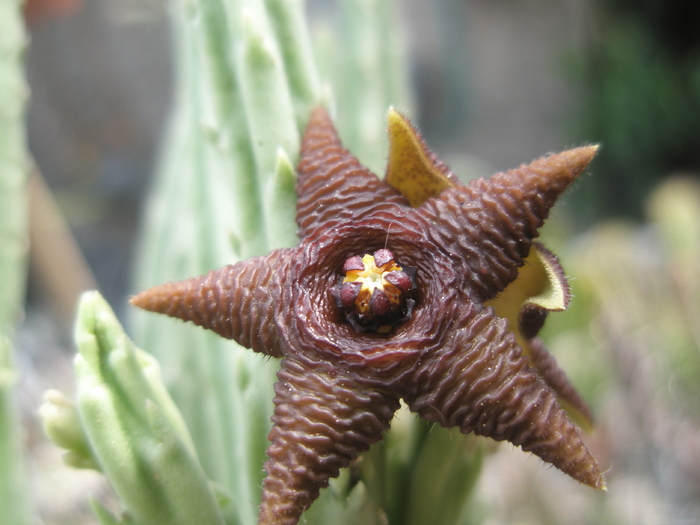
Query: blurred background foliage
x=639 y=81
x=494 y=83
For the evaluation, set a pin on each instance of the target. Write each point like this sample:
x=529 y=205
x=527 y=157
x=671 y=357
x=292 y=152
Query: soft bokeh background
x=495 y=83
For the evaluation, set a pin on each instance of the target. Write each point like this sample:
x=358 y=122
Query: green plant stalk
x=366 y=65
x=13 y=500
x=14 y=165
x=13 y=246
x=134 y=431
x=225 y=191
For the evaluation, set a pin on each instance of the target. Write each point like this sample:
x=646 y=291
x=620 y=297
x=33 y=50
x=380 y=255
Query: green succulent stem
x=134 y=432
x=13 y=500
x=224 y=191
x=13 y=247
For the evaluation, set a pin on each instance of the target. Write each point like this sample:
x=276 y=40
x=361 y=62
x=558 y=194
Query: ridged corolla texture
x=453 y=360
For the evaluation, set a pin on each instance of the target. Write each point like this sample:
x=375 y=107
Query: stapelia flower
x=398 y=290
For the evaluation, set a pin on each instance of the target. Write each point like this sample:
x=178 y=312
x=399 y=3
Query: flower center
x=375 y=292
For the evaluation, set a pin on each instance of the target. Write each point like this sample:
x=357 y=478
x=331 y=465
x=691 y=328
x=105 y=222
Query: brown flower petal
x=332 y=184
x=567 y=396
x=322 y=421
x=492 y=222
x=481 y=383
x=237 y=302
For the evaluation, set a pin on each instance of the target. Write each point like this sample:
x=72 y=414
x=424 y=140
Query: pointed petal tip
x=142 y=300
x=581 y=466
x=601 y=483
x=188 y=300
x=587 y=471
x=138 y=300
x=320 y=116
x=319 y=112
x=412 y=168
x=597 y=483
x=550 y=175
x=396 y=121
x=395 y=116
x=578 y=158
x=156 y=299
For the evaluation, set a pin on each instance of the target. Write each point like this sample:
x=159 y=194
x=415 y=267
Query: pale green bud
x=62 y=424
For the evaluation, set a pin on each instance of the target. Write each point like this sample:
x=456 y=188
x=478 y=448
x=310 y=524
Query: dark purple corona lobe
x=353 y=263
x=349 y=293
x=383 y=257
x=401 y=280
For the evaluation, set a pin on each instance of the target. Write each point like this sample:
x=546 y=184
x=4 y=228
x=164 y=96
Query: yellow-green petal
x=540 y=284
x=412 y=169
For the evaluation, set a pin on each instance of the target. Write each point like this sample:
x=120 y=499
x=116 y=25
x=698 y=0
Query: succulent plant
x=451 y=288
x=451 y=358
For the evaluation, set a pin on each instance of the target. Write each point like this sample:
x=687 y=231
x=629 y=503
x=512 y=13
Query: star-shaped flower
x=415 y=288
